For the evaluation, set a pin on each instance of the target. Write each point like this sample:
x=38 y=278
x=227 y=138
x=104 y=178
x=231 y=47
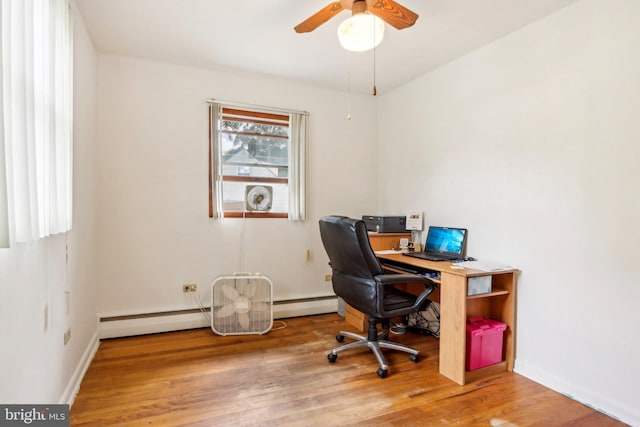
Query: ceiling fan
x=389 y=11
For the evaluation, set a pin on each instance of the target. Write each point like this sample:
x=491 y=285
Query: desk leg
x=453 y=321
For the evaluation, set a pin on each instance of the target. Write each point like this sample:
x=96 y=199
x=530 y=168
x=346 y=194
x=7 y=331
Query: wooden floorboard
x=283 y=378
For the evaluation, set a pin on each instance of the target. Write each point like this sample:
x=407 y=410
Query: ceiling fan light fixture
x=361 y=32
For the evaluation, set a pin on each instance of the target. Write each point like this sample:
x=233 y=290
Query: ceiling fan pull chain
x=375 y=92
x=349 y=86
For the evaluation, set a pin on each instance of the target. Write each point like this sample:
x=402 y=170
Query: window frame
x=250 y=114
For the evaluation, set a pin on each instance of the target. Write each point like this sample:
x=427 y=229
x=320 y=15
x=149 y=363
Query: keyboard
x=429 y=256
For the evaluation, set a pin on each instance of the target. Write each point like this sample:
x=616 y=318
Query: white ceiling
x=257 y=36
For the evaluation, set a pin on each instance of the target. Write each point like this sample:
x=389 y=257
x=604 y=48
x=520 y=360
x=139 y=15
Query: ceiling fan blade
x=319 y=18
x=392 y=13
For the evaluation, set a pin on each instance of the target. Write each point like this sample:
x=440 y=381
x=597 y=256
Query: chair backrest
x=346 y=241
x=352 y=260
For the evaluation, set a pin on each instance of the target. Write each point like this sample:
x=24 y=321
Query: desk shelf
x=499 y=304
x=384 y=241
x=493 y=293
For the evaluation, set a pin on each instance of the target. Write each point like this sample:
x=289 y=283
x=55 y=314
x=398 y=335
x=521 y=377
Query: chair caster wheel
x=415 y=358
x=339 y=338
x=382 y=373
x=332 y=357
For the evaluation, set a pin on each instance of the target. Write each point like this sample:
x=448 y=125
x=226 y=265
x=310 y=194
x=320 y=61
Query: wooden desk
x=456 y=307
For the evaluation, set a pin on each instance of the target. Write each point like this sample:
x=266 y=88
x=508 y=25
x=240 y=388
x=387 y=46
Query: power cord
x=282 y=326
x=204 y=310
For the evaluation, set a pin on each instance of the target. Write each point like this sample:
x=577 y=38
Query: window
x=257 y=163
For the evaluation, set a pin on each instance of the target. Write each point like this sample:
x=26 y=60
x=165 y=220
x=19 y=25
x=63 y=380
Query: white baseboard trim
x=124 y=326
x=587 y=397
x=70 y=392
x=305 y=308
x=151 y=324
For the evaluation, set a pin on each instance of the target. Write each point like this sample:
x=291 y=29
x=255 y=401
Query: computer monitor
x=446 y=240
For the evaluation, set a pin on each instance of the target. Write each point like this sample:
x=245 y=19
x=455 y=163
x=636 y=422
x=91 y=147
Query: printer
x=385 y=224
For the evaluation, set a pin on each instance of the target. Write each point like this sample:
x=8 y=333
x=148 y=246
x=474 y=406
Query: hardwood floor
x=196 y=378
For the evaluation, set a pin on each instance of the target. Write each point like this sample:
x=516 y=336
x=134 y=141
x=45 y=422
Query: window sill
x=255 y=215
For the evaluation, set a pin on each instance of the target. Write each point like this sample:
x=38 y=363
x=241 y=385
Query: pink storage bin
x=484 y=342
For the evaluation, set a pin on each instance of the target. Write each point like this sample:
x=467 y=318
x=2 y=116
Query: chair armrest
x=393 y=279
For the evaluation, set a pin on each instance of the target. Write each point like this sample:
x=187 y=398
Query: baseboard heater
x=166 y=321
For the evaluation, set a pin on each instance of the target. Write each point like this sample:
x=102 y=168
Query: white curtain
x=38 y=85
x=297 y=166
x=215 y=111
x=4 y=218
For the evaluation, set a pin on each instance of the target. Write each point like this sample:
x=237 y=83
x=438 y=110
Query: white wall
x=35 y=365
x=532 y=143
x=154 y=232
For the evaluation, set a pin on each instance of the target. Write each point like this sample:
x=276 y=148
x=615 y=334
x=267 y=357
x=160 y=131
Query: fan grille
x=258 y=197
x=241 y=304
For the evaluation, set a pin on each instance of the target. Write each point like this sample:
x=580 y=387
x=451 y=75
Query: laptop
x=443 y=244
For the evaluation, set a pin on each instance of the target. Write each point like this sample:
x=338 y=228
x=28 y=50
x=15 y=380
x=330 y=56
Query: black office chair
x=359 y=280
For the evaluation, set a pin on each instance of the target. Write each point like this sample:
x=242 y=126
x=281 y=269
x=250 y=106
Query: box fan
x=241 y=304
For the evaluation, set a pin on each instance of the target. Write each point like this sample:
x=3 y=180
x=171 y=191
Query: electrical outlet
x=189 y=287
x=327 y=277
x=67 y=336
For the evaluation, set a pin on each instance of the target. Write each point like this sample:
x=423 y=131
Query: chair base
x=375 y=345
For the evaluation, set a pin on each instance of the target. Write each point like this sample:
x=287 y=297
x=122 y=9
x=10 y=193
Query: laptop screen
x=446 y=240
